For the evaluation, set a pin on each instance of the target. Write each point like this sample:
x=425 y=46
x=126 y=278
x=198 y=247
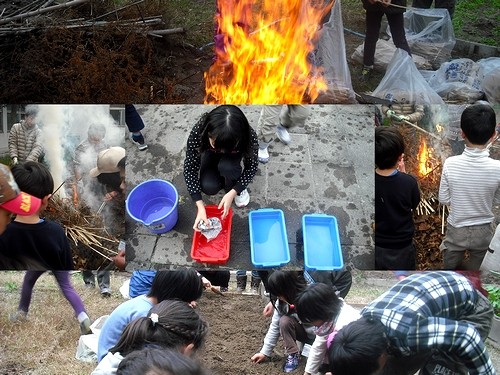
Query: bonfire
x=423 y=161
x=265 y=58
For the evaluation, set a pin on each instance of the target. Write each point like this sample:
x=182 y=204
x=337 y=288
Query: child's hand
x=268 y=310
x=226 y=202
x=206 y=283
x=401 y=164
x=258 y=358
x=200 y=216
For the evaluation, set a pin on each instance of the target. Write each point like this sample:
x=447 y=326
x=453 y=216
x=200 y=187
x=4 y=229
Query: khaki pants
x=273 y=115
x=474 y=239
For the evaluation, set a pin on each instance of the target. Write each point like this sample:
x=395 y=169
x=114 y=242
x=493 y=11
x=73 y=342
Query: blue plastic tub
x=268 y=239
x=322 y=249
x=153 y=203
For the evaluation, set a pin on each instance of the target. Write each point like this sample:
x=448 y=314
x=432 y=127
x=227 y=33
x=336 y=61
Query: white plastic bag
x=86 y=350
x=458 y=80
x=402 y=76
x=491 y=79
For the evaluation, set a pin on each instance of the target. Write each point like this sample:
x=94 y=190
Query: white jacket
x=317 y=353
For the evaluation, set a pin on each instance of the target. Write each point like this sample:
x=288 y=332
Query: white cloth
x=108 y=364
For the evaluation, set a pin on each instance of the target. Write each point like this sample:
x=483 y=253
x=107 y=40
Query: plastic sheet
x=403 y=83
x=430 y=34
x=330 y=55
x=491 y=80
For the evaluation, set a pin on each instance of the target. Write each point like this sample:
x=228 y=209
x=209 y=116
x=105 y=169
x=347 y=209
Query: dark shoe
x=224 y=289
x=139 y=141
x=292 y=362
x=105 y=294
x=366 y=73
x=85 y=327
x=241 y=283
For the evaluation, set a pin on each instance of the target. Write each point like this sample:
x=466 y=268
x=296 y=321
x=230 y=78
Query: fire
x=265 y=55
x=424 y=159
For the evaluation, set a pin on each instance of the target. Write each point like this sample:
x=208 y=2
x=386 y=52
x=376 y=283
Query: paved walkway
x=328 y=168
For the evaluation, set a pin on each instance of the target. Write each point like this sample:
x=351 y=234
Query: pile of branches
x=91 y=244
x=80 y=51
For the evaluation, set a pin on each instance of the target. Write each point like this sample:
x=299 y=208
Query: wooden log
x=43 y=10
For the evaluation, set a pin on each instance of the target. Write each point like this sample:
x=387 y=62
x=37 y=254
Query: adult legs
x=397 y=26
x=294 y=114
x=268 y=120
x=103 y=279
x=372 y=26
x=88 y=278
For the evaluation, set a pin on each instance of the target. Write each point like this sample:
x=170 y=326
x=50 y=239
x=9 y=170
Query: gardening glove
x=14 y=160
x=390 y=113
x=404 y=118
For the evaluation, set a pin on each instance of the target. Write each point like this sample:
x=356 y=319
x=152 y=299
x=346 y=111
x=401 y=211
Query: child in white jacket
x=319 y=306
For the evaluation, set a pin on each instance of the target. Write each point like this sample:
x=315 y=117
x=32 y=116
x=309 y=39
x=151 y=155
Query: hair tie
x=154 y=318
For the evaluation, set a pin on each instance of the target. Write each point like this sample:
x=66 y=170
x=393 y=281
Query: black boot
x=254 y=284
x=241 y=283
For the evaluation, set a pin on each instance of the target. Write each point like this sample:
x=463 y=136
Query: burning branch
x=420 y=129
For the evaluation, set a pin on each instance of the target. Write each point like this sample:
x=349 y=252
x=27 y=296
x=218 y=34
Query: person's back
x=470 y=185
x=118 y=320
x=34 y=241
x=396 y=196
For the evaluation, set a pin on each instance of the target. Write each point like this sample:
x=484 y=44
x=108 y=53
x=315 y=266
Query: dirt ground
x=46 y=343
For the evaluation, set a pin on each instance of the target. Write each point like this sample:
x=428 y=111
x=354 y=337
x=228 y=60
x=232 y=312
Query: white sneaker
x=263 y=155
x=283 y=135
x=243 y=199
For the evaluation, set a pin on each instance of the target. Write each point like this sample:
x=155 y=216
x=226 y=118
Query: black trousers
x=447 y=4
x=373 y=21
x=219 y=171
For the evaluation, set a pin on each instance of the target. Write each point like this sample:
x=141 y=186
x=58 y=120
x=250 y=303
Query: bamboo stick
x=44 y=10
x=422 y=130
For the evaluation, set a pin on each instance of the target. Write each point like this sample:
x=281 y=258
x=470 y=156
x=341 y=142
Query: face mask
x=325 y=329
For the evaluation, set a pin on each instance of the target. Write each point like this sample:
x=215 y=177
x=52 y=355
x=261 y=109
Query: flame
x=265 y=55
x=424 y=157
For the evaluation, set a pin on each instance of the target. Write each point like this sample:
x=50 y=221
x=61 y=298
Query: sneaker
x=292 y=362
x=85 y=327
x=139 y=141
x=263 y=155
x=242 y=199
x=224 y=289
x=283 y=135
x=366 y=73
x=18 y=316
